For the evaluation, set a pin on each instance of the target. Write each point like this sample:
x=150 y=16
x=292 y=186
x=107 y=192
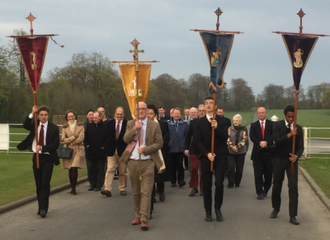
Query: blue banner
x=218 y=47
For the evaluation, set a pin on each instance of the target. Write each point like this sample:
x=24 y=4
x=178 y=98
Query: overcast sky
x=163 y=29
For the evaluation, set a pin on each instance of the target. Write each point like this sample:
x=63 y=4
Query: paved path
x=89 y=215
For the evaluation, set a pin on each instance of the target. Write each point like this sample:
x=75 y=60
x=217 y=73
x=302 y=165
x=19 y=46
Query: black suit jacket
x=112 y=142
x=52 y=139
x=190 y=142
x=256 y=138
x=204 y=136
x=283 y=143
x=167 y=117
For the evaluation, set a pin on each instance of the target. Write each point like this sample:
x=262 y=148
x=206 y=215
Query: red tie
x=141 y=134
x=41 y=136
x=262 y=130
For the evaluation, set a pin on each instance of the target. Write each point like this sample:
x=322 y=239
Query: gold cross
x=31 y=18
x=301 y=14
x=136 y=52
x=218 y=12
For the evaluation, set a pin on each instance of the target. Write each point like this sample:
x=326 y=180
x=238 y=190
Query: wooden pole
x=294 y=127
x=36 y=127
x=212 y=139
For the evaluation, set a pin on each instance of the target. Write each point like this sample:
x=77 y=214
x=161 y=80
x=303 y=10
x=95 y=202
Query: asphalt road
x=89 y=215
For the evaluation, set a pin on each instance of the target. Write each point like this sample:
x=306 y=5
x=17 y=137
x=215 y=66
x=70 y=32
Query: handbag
x=64 y=152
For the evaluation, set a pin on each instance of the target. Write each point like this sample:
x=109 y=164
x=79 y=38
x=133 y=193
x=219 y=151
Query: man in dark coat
x=283 y=159
x=48 y=142
x=115 y=147
x=261 y=134
x=95 y=145
x=203 y=142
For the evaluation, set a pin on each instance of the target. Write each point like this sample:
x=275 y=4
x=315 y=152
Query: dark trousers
x=279 y=167
x=96 y=172
x=42 y=177
x=177 y=167
x=207 y=177
x=185 y=161
x=194 y=163
x=263 y=173
x=235 y=168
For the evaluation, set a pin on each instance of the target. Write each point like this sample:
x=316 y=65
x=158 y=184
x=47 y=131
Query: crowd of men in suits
x=156 y=143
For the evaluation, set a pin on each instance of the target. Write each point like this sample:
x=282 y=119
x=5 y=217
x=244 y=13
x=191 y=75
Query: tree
x=326 y=99
x=272 y=96
x=242 y=96
x=171 y=93
x=197 y=89
x=315 y=93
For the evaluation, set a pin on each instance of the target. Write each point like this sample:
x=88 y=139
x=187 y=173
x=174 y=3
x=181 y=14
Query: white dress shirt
x=135 y=154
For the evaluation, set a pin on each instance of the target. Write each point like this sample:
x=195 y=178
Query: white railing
x=315 y=144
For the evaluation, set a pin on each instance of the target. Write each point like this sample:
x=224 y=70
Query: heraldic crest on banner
x=217 y=47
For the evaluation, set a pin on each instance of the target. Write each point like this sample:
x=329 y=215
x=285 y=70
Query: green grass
x=319 y=170
x=17 y=180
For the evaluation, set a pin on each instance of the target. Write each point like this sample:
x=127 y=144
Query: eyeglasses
x=141 y=109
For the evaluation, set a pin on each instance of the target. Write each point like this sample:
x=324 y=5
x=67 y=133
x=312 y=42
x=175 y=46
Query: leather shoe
x=106 y=193
x=42 y=213
x=274 y=213
x=91 y=189
x=173 y=185
x=218 y=215
x=208 y=217
x=294 y=221
x=264 y=194
x=136 y=221
x=123 y=193
x=230 y=185
x=144 y=226
x=161 y=197
x=260 y=196
x=193 y=192
x=182 y=183
x=97 y=189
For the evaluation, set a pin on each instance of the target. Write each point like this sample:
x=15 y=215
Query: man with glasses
x=144 y=139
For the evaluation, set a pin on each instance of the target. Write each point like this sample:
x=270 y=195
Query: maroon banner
x=33 y=52
x=299 y=49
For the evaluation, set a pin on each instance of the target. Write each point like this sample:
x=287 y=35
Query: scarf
x=238 y=130
x=72 y=125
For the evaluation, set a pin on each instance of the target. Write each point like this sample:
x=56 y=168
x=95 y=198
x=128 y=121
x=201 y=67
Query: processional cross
x=31 y=19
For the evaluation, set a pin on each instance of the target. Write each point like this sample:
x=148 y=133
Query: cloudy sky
x=163 y=29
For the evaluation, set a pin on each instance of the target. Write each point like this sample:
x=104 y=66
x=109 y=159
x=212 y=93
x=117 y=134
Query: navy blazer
x=256 y=137
x=52 y=139
x=112 y=142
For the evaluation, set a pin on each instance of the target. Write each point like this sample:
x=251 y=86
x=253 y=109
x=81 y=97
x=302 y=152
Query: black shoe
x=97 y=189
x=208 y=217
x=182 y=183
x=294 y=221
x=260 y=196
x=91 y=188
x=274 y=213
x=236 y=185
x=264 y=194
x=161 y=197
x=218 y=215
x=193 y=192
x=230 y=185
x=42 y=213
x=173 y=185
x=201 y=192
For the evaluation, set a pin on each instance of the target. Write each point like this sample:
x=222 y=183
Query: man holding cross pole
x=144 y=139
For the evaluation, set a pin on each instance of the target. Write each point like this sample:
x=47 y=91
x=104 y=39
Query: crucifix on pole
x=31 y=19
x=136 y=52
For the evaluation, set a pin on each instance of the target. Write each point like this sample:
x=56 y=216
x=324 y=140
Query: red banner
x=33 y=52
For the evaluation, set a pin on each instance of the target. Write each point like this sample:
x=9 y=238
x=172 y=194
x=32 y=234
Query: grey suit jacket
x=153 y=138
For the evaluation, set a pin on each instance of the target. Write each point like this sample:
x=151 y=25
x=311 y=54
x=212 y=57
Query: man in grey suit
x=144 y=139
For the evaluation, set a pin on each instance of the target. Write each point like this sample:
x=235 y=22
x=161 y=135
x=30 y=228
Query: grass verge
x=17 y=180
x=319 y=170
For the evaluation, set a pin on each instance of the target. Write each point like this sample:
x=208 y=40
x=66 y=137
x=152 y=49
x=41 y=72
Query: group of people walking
x=153 y=147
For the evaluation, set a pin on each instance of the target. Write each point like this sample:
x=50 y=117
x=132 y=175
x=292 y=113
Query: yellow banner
x=132 y=84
